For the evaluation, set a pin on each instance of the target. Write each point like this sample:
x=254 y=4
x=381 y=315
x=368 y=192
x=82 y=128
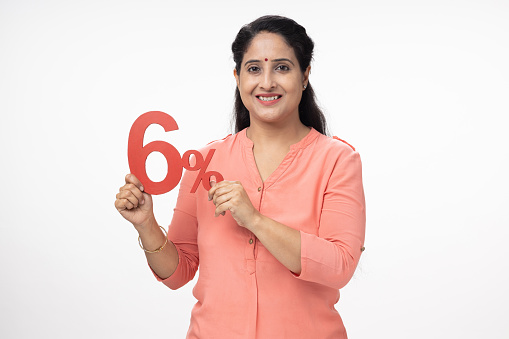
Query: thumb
x=212 y=184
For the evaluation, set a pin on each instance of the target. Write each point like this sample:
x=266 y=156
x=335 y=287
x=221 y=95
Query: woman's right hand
x=133 y=204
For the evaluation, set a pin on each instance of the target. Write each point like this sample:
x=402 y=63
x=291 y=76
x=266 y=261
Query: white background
x=420 y=88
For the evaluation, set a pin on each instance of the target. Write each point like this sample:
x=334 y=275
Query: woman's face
x=270 y=81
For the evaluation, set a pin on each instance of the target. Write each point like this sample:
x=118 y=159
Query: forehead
x=269 y=45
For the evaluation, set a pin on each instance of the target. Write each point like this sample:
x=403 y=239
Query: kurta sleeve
x=183 y=233
x=330 y=258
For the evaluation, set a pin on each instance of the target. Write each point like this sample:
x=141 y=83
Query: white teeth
x=268 y=98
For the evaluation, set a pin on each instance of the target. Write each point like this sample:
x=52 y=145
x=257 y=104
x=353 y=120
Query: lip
x=269 y=103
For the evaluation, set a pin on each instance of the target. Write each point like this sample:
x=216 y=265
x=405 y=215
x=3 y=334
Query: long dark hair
x=295 y=36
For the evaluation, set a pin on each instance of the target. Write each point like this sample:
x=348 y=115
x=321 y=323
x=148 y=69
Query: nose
x=267 y=81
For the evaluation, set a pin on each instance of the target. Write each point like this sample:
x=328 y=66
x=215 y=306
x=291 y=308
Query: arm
x=177 y=263
x=163 y=263
x=329 y=258
x=136 y=206
x=281 y=241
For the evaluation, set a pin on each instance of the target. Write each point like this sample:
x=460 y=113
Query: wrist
x=151 y=241
x=151 y=237
x=256 y=222
x=147 y=226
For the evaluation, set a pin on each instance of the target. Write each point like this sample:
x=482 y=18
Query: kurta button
x=363 y=248
x=250 y=241
x=259 y=189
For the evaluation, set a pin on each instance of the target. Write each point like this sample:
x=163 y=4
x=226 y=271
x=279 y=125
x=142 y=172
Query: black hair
x=295 y=36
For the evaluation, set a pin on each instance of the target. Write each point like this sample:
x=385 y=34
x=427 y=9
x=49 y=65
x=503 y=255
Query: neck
x=263 y=134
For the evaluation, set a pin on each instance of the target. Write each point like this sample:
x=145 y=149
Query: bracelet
x=160 y=248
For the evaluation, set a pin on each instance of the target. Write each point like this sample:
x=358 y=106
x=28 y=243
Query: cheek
x=245 y=95
x=246 y=88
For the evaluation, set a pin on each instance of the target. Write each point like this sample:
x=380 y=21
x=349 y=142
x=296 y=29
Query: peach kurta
x=242 y=290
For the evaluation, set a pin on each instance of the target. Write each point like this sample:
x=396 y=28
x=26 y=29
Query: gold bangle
x=160 y=248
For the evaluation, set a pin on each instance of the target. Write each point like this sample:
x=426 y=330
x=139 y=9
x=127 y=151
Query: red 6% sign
x=137 y=155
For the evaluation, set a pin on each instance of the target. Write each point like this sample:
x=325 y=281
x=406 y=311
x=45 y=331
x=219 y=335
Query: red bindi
x=266 y=59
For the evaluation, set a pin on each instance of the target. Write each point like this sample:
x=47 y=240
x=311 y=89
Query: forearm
x=281 y=241
x=165 y=262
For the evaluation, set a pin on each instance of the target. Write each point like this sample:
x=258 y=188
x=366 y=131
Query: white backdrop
x=420 y=88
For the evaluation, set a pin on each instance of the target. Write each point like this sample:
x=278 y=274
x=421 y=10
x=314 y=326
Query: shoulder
x=340 y=160
x=335 y=154
x=343 y=141
x=334 y=145
x=227 y=141
x=220 y=141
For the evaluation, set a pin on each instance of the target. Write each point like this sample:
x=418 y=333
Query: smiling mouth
x=275 y=97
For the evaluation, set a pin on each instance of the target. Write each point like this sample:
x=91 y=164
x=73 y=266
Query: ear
x=236 y=76
x=305 y=76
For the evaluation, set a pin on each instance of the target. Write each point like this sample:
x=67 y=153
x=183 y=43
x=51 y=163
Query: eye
x=253 y=69
x=283 y=68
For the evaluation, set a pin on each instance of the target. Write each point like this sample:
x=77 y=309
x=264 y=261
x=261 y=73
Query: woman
x=284 y=231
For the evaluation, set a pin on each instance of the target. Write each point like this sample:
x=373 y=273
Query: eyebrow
x=274 y=60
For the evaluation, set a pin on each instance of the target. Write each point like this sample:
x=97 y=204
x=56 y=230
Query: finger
x=129 y=196
x=221 y=209
x=218 y=200
x=212 y=184
x=119 y=205
x=216 y=187
x=138 y=193
x=222 y=191
x=129 y=205
x=213 y=189
x=123 y=204
x=224 y=203
x=131 y=179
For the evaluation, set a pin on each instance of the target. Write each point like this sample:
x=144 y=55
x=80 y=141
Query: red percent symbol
x=137 y=155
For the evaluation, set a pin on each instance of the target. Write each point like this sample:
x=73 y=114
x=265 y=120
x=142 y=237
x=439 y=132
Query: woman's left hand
x=230 y=195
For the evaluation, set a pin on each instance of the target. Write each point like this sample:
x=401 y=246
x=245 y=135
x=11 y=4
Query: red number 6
x=137 y=154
